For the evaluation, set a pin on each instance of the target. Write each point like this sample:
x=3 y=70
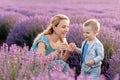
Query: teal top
x=43 y=39
x=49 y=50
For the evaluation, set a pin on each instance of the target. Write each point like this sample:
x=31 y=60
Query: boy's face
x=88 y=33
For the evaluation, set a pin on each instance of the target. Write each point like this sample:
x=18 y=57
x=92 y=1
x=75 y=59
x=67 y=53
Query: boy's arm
x=100 y=53
x=78 y=50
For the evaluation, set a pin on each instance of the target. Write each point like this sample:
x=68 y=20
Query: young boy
x=92 y=50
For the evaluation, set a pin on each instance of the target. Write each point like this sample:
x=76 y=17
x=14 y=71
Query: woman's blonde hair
x=54 y=21
x=93 y=23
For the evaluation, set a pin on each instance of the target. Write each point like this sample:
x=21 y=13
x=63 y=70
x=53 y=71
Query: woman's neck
x=54 y=38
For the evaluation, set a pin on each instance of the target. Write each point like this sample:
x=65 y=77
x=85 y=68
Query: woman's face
x=62 y=28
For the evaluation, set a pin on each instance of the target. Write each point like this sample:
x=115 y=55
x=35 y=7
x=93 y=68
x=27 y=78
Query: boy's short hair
x=93 y=23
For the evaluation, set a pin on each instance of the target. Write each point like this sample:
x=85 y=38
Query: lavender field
x=22 y=20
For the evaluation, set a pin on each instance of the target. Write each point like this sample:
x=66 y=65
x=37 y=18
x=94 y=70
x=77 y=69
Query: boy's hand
x=90 y=63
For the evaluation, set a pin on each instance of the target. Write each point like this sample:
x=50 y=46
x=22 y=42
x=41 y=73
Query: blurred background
x=22 y=20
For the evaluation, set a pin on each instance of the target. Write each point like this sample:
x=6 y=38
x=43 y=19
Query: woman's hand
x=72 y=47
x=61 y=47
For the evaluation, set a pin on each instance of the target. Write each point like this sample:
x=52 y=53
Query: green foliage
x=4 y=30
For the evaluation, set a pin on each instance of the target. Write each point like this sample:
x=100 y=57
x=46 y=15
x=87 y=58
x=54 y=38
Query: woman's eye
x=63 y=26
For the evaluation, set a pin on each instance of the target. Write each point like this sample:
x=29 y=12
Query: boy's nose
x=84 y=34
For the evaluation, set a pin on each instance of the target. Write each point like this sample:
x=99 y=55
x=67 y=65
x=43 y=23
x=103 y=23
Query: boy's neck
x=90 y=41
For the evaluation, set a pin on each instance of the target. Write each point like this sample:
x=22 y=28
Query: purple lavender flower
x=25 y=31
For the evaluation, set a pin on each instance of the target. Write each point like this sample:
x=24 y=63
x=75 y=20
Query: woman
x=52 y=41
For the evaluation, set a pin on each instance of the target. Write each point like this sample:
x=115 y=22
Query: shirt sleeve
x=99 y=53
x=79 y=50
x=42 y=39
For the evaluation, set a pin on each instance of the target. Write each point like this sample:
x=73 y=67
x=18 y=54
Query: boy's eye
x=87 y=32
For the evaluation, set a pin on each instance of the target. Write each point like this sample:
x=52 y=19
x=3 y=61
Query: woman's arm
x=66 y=55
x=70 y=49
x=42 y=48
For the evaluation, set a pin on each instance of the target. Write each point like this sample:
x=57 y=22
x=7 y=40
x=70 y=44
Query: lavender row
x=17 y=64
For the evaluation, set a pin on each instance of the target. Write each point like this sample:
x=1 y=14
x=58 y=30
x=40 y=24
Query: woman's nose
x=67 y=29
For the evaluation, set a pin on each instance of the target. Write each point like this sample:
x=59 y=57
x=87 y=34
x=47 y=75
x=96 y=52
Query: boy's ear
x=96 y=32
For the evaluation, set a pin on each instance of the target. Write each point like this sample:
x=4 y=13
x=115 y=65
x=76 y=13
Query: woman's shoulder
x=43 y=38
